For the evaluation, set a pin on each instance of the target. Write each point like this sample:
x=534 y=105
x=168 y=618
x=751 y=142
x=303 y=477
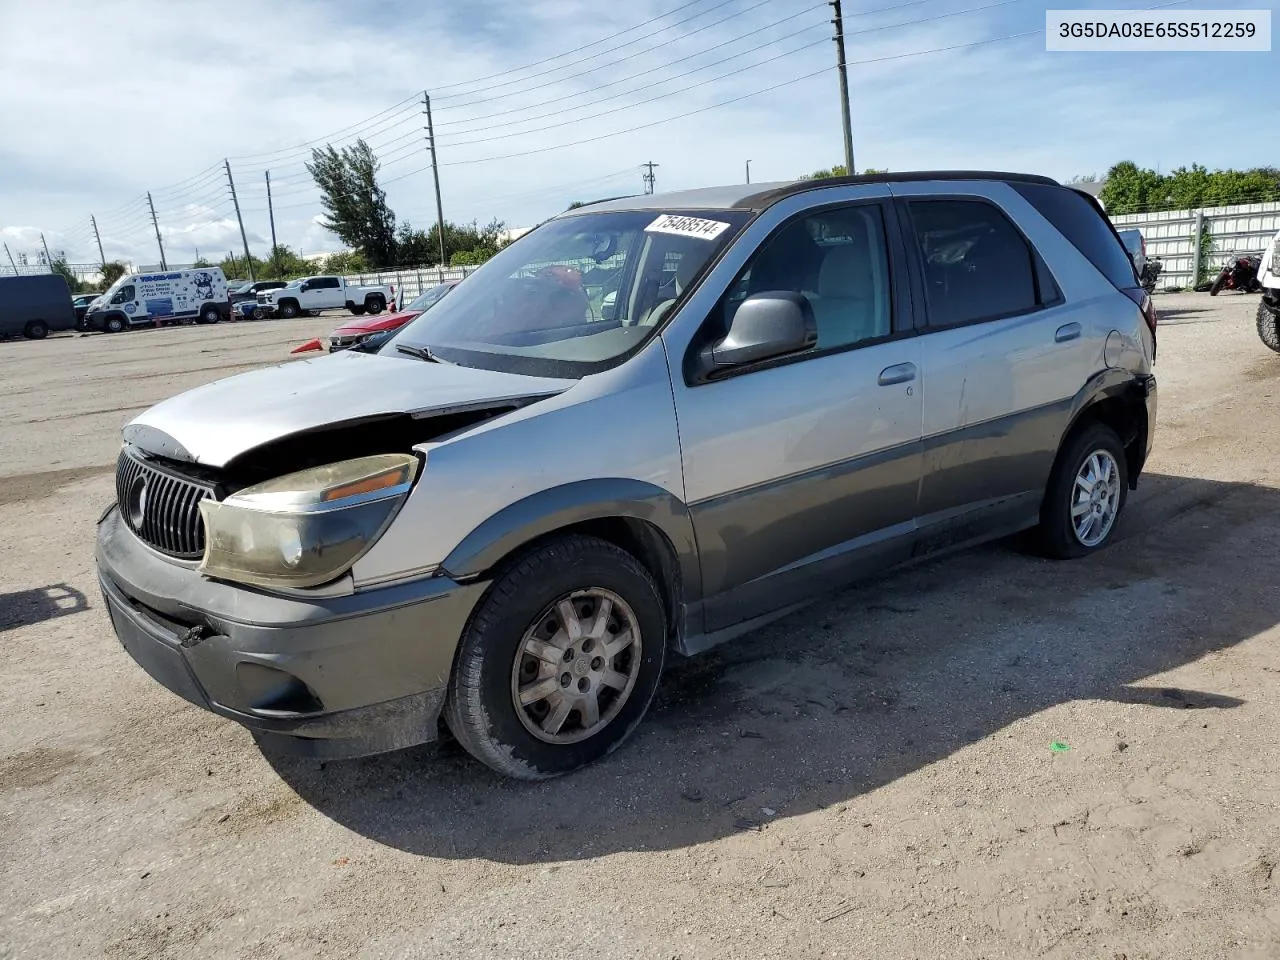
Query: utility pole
x=649 y=178
x=97 y=236
x=48 y=260
x=838 y=23
x=435 y=173
x=748 y=171
x=271 y=212
x=10 y=256
x=243 y=239
x=156 y=223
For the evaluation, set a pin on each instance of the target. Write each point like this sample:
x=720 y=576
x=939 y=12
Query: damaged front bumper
x=324 y=676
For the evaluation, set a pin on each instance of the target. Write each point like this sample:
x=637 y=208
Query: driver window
x=838 y=260
x=124 y=294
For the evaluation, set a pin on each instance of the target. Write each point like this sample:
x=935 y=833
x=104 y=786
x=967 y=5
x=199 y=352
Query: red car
x=359 y=329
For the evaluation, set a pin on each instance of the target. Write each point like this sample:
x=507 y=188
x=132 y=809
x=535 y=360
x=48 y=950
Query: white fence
x=1173 y=236
x=409 y=282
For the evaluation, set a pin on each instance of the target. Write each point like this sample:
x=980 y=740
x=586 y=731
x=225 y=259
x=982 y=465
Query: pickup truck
x=322 y=293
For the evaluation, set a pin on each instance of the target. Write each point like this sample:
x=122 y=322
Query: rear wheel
x=560 y=659
x=375 y=305
x=36 y=330
x=1217 y=286
x=358 y=311
x=1268 y=323
x=1086 y=494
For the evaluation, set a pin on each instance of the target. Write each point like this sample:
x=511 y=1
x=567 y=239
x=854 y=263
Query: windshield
x=428 y=297
x=575 y=295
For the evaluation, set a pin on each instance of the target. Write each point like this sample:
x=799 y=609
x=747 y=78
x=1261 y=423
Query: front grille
x=161 y=507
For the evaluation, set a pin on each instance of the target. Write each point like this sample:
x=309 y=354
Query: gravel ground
x=870 y=777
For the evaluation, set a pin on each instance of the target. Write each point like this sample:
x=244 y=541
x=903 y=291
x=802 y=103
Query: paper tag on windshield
x=687 y=227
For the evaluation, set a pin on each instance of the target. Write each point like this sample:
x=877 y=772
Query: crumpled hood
x=219 y=421
x=387 y=321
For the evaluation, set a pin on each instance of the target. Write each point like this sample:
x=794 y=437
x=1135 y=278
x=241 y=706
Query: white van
x=177 y=296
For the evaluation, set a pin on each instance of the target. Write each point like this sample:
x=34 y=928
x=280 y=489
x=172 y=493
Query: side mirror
x=766 y=325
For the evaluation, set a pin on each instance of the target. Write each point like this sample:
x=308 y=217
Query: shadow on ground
x=26 y=607
x=861 y=689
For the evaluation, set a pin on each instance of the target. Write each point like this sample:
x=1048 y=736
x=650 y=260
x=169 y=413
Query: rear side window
x=1080 y=221
x=328 y=283
x=977 y=265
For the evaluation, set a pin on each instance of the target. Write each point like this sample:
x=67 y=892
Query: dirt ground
x=875 y=776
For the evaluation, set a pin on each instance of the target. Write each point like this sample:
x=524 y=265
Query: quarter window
x=838 y=260
x=977 y=266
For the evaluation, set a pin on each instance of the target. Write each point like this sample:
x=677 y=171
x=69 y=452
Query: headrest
x=845 y=272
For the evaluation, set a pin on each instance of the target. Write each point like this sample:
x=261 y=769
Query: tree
x=200 y=262
x=112 y=271
x=235 y=268
x=60 y=266
x=1133 y=189
x=345 y=262
x=355 y=206
x=464 y=244
x=839 y=170
x=284 y=264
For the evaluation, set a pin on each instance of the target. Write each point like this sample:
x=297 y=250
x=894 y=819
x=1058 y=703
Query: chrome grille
x=161 y=507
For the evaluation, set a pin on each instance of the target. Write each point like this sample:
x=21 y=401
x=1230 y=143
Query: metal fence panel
x=1170 y=235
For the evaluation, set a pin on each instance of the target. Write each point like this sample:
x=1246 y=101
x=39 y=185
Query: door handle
x=898 y=373
x=1068 y=331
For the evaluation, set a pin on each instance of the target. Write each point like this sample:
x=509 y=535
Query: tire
x=113 y=324
x=523 y=606
x=287 y=310
x=375 y=305
x=1269 y=326
x=1061 y=535
x=358 y=311
x=210 y=314
x=1217 y=286
x=36 y=330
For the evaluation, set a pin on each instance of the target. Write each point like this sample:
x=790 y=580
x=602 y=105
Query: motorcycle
x=1238 y=273
x=1151 y=273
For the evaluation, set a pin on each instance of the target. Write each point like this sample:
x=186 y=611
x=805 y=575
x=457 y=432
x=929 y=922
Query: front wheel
x=210 y=314
x=1085 y=494
x=287 y=310
x=560 y=660
x=1269 y=326
x=114 y=324
x=36 y=330
x=1217 y=286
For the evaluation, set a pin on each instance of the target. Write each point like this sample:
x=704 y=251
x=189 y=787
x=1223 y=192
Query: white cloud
x=141 y=95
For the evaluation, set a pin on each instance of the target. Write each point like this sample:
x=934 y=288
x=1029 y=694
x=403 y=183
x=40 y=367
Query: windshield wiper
x=422 y=353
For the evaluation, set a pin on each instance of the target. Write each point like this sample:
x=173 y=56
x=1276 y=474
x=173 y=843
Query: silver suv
x=645 y=427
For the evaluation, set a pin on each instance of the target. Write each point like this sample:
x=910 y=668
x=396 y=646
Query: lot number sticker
x=687 y=227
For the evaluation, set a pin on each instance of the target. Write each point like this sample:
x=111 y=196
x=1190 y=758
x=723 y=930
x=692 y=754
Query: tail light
x=1147 y=307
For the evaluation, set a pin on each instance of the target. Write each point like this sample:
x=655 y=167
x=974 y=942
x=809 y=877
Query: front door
x=799 y=472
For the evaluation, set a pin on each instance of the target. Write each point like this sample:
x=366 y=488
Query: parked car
x=354 y=332
x=141 y=299
x=80 y=305
x=249 y=291
x=1136 y=245
x=1269 y=306
x=35 y=305
x=516 y=510
x=323 y=293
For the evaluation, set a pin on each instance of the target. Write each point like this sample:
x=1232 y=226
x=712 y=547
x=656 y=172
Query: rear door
x=1003 y=354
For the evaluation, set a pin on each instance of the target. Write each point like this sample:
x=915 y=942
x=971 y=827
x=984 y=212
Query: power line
x=412 y=101
x=642 y=73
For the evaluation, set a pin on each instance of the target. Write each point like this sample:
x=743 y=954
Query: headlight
x=306 y=528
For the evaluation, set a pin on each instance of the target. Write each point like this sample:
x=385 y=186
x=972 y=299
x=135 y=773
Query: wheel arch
x=650 y=523
x=1115 y=398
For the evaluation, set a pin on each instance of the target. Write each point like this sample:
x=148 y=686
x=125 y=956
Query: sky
x=537 y=103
